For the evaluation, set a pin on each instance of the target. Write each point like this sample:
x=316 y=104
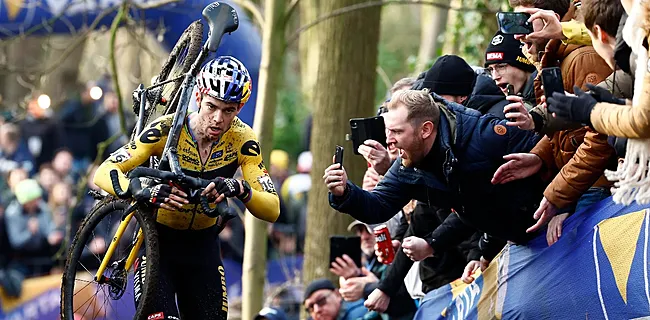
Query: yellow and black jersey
x=238 y=147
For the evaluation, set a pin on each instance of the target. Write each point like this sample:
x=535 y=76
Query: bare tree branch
x=80 y=39
x=254 y=9
x=370 y=4
x=118 y=92
x=290 y=9
x=384 y=77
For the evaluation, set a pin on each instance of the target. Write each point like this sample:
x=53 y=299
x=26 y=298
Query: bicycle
x=170 y=93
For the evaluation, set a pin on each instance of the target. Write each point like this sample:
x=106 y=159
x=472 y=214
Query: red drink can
x=384 y=243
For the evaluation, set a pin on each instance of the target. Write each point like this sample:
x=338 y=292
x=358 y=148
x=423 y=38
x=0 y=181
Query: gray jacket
x=19 y=236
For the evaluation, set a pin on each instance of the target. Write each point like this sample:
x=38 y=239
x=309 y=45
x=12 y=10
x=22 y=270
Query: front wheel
x=111 y=297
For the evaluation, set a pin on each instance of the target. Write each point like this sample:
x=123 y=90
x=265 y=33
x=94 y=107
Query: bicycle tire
x=102 y=209
x=192 y=40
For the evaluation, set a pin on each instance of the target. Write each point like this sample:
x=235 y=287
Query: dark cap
x=316 y=285
x=450 y=75
x=504 y=48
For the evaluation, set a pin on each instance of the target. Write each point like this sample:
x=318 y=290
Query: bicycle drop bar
x=135 y=188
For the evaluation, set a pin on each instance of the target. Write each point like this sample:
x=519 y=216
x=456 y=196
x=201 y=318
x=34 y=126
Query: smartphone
x=510 y=89
x=340 y=245
x=363 y=129
x=552 y=81
x=338 y=155
x=514 y=23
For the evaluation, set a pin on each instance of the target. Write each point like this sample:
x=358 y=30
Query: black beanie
x=504 y=48
x=450 y=75
x=316 y=285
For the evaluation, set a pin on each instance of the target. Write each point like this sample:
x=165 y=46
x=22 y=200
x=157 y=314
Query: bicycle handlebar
x=135 y=188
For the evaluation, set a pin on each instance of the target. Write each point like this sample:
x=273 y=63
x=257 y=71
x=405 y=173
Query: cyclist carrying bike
x=212 y=145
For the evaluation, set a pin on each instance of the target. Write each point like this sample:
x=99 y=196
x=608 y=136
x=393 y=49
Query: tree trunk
x=308 y=47
x=489 y=26
x=273 y=44
x=433 y=21
x=454 y=23
x=346 y=86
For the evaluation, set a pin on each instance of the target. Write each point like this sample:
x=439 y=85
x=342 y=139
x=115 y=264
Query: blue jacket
x=471 y=147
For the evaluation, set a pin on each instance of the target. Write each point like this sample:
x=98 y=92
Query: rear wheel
x=185 y=52
x=111 y=297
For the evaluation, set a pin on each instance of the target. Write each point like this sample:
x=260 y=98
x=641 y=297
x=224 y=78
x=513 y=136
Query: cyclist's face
x=215 y=116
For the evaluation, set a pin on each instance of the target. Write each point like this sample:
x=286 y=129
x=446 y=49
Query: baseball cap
x=270 y=314
x=355 y=223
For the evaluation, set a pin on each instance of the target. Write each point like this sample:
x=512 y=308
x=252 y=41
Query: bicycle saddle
x=222 y=19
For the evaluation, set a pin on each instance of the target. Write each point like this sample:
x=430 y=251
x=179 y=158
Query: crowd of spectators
x=487 y=158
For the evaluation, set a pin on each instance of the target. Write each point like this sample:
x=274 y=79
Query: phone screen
x=552 y=81
x=340 y=245
x=363 y=129
x=514 y=22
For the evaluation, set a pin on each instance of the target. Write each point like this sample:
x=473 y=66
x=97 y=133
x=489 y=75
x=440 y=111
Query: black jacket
x=487 y=97
x=435 y=272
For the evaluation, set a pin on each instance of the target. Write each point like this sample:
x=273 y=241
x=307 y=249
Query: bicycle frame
x=170 y=153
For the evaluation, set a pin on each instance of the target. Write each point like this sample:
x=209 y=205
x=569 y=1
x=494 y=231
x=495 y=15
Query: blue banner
x=597 y=270
x=40 y=17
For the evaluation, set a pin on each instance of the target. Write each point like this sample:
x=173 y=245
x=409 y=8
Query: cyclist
x=213 y=144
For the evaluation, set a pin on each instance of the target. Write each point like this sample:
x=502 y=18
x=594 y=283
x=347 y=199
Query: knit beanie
x=28 y=190
x=504 y=48
x=450 y=75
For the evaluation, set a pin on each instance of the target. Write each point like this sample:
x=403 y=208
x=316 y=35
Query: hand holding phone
x=338 y=155
x=514 y=23
x=350 y=246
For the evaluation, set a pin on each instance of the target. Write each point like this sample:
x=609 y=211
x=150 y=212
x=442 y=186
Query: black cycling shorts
x=190 y=272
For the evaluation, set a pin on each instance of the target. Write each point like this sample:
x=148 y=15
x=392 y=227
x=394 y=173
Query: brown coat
x=578 y=157
x=627 y=121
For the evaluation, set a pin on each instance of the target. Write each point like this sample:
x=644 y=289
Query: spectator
x=294 y=195
x=42 y=134
x=360 y=283
x=437 y=79
x=15 y=176
x=579 y=64
x=279 y=170
x=270 y=314
x=457 y=170
x=63 y=166
x=32 y=233
x=60 y=202
x=47 y=178
x=508 y=66
x=83 y=127
x=575 y=158
x=13 y=151
x=323 y=302
x=608 y=116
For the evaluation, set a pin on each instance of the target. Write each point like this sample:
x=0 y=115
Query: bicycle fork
x=99 y=276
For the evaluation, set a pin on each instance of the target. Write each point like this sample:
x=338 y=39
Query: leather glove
x=603 y=95
x=230 y=187
x=156 y=194
x=577 y=109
